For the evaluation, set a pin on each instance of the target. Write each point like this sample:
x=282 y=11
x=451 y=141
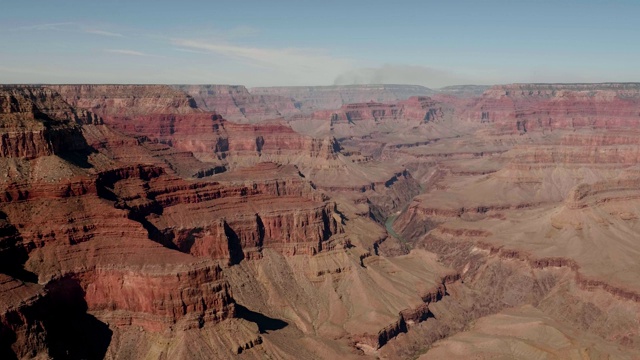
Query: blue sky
x=267 y=43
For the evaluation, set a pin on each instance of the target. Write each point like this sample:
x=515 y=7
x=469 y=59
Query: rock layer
x=530 y=107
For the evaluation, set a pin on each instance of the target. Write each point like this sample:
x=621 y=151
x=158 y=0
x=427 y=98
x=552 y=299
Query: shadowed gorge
x=72 y=333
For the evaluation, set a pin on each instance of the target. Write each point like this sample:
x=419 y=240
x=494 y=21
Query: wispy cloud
x=68 y=26
x=126 y=52
x=190 y=51
x=43 y=74
x=405 y=74
x=48 y=26
x=14 y=70
x=289 y=60
x=103 y=33
x=241 y=31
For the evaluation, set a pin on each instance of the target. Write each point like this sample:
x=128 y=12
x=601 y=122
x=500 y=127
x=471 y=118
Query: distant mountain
x=310 y=98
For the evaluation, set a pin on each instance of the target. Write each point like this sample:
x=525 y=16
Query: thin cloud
x=292 y=60
x=48 y=74
x=126 y=52
x=103 y=33
x=404 y=74
x=190 y=51
x=48 y=27
x=13 y=70
x=241 y=32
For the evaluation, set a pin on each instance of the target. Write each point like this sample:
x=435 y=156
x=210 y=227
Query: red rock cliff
x=528 y=107
x=37 y=122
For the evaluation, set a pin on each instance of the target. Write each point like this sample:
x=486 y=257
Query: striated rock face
x=22 y=332
x=415 y=108
x=276 y=209
x=557 y=199
x=32 y=102
x=274 y=141
x=37 y=122
x=96 y=267
x=156 y=299
x=237 y=104
x=158 y=112
x=167 y=115
x=531 y=107
x=91 y=251
x=114 y=101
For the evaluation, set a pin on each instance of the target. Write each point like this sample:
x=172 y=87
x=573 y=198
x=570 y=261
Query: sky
x=284 y=43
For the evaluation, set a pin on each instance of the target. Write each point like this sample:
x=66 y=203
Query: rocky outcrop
x=22 y=332
x=37 y=122
x=159 y=299
x=584 y=195
x=157 y=112
x=407 y=317
x=92 y=259
x=278 y=209
x=276 y=142
x=418 y=109
x=96 y=267
x=36 y=102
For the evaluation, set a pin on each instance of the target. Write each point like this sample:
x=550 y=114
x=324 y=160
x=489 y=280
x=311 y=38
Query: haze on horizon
x=429 y=43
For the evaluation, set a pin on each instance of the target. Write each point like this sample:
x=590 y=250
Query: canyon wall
x=531 y=107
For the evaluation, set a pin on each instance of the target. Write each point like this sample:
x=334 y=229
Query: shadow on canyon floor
x=7 y=338
x=265 y=323
x=72 y=333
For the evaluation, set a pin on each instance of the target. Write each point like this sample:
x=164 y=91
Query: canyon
x=364 y=221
